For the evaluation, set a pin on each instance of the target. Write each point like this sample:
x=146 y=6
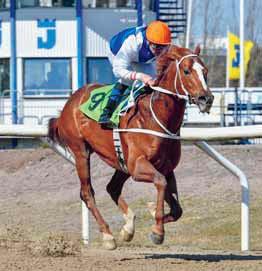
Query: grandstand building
x=50 y=48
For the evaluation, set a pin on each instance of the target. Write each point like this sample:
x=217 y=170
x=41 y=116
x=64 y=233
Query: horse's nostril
x=203 y=99
x=210 y=99
x=206 y=99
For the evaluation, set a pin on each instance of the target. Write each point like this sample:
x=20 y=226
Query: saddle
x=98 y=98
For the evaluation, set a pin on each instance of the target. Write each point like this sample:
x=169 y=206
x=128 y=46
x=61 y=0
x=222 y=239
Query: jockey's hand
x=146 y=79
x=151 y=82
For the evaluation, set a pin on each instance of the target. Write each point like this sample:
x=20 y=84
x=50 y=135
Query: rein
x=168 y=134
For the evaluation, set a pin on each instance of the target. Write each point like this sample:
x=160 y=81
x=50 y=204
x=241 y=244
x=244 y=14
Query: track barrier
x=196 y=135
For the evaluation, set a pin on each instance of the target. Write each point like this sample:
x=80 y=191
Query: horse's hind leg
x=82 y=159
x=114 y=188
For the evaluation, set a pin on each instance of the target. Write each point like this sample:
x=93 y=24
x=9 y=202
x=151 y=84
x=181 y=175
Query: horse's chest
x=165 y=155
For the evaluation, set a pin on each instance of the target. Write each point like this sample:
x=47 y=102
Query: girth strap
x=119 y=150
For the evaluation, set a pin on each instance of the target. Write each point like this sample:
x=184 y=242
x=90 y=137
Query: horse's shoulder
x=143 y=101
x=139 y=113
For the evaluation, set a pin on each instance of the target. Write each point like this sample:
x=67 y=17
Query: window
x=44 y=3
x=4 y=4
x=49 y=76
x=147 y=4
x=99 y=70
x=108 y=3
x=150 y=5
x=26 y=3
x=4 y=77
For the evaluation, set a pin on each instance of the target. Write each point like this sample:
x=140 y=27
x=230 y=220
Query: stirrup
x=107 y=125
x=105 y=121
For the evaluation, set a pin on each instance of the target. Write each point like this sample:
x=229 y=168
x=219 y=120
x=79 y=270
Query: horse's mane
x=163 y=60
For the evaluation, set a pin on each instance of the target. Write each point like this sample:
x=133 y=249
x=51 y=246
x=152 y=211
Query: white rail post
x=85 y=224
x=188 y=28
x=244 y=187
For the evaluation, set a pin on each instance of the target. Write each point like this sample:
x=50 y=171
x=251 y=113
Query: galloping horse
x=181 y=75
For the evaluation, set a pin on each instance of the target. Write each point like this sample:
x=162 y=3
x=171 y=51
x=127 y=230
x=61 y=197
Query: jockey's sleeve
x=127 y=54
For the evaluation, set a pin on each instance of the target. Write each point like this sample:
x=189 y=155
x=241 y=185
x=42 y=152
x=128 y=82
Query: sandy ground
x=40 y=215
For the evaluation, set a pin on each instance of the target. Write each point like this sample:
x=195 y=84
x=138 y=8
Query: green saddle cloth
x=98 y=99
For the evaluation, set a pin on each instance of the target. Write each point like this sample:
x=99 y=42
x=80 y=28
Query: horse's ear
x=197 y=50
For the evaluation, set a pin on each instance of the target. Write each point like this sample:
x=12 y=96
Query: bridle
x=185 y=96
x=178 y=74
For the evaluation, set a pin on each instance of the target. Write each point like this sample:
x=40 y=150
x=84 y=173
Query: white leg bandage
x=130 y=221
x=152 y=208
x=107 y=237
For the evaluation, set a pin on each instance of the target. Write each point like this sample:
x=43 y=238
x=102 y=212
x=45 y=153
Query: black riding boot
x=112 y=103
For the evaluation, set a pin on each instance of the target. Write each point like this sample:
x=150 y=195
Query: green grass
x=204 y=225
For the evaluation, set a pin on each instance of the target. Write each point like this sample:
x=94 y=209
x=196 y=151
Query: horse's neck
x=176 y=106
x=169 y=110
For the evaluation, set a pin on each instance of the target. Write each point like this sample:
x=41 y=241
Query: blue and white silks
x=129 y=51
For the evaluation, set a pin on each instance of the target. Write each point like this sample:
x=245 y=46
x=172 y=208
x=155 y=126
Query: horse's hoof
x=156 y=238
x=109 y=244
x=126 y=236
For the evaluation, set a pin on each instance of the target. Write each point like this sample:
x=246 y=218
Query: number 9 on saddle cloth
x=99 y=98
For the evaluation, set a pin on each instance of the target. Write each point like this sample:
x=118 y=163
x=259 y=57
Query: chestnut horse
x=181 y=75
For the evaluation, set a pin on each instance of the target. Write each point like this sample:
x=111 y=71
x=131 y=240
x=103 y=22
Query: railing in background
x=5 y=108
x=247 y=106
x=231 y=107
x=31 y=110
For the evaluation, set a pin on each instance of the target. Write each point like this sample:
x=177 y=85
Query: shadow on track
x=206 y=257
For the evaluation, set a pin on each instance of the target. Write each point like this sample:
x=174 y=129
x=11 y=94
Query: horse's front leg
x=114 y=188
x=145 y=171
x=171 y=198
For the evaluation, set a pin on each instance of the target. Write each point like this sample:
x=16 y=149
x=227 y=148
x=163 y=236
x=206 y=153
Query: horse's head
x=183 y=72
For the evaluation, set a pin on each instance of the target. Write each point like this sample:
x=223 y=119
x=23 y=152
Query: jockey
x=132 y=54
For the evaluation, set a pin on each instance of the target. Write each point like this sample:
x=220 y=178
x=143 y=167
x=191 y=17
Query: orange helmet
x=158 y=32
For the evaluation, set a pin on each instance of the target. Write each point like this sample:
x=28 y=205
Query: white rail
x=244 y=189
x=189 y=134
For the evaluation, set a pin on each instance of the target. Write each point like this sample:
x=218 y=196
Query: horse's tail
x=53 y=132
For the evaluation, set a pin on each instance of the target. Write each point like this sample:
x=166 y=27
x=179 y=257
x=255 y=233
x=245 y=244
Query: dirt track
x=40 y=220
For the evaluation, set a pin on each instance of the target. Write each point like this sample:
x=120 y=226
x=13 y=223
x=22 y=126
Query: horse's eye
x=186 y=71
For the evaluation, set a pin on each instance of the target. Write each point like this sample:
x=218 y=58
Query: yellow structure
x=234 y=55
